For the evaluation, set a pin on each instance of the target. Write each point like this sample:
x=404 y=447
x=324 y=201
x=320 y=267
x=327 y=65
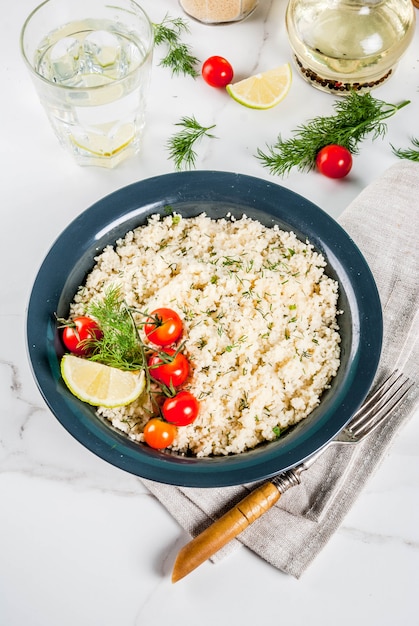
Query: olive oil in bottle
x=342 y=45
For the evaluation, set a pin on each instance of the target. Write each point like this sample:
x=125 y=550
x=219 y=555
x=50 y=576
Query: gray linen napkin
x=383 y=222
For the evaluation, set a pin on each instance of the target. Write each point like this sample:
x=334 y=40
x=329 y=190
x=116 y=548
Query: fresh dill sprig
x=120 y=346
x=180 y=145
x=169 y=30
x=181 y=61
x=357 y=116
x=408 y=153
x=179 y=57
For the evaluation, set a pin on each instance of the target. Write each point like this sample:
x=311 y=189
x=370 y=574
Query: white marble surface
x=83 y=543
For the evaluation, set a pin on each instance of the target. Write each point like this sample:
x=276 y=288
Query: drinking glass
x=90 y=61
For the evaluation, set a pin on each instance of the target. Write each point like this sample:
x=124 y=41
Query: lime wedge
x=264 y=90
x=101 y=385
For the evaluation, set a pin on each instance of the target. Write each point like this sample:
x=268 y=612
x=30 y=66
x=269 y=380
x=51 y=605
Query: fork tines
x=386 y=398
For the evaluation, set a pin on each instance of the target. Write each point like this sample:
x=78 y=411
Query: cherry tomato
x=159 y=434
x=217 y=71
x=182 y=409
x=334 y=161
x=172 y=373
x=163 y=327
x=78 y=334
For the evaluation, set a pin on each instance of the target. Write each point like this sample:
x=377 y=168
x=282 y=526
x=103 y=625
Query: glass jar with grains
x=218 y=11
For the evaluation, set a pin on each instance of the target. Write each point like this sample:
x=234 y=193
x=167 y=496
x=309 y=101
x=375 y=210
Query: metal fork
x=371 y=414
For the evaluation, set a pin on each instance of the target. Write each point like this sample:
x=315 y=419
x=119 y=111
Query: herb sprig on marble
x=181 y=144
x=408 y=153
x=356 y=116
x=179 y=57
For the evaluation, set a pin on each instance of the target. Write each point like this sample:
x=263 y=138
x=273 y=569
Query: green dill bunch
x=356 y=116
x=120 y=346
x=181 y=144
x=408 y=153
x=178 y=57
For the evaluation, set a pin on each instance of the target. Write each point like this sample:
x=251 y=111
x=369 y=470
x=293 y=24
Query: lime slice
x=104 y=145
x=262 y=91
x=101 y=385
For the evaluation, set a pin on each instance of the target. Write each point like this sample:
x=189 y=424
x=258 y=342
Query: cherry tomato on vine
x=182 y=409
x=334 y=161
x=217 y=71
x=174 y=372
x=78 y=333
x=159 y=434
x=163 y=327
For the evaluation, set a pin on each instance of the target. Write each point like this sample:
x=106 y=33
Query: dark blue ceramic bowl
x=215 y=193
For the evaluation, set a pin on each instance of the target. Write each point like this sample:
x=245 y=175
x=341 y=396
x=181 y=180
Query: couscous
x=260 y=321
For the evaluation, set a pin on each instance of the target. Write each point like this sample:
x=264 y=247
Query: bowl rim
x=104 y=222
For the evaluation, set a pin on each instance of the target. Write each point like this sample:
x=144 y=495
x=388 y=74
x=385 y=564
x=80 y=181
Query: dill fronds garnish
x=357 y=116
x=408 y=153
x=180 y=145
x=120 y=346
x=179 y=57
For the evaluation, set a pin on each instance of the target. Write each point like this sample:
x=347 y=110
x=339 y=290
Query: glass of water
x=90 y=61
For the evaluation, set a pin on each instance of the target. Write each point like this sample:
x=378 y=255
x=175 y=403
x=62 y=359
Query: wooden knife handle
x=224 y=529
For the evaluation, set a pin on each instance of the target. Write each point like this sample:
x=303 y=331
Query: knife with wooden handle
x=233 y=522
